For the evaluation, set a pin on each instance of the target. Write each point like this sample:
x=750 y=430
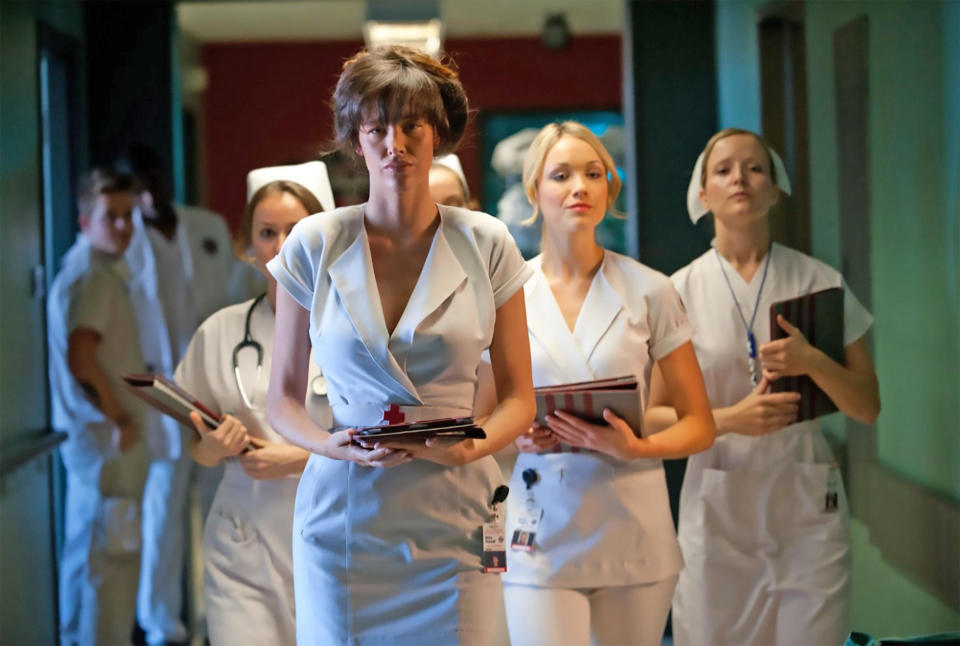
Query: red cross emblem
x=393 y=415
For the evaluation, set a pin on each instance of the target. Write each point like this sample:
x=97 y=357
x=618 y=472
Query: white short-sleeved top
x=472 y=268
x=605 y=521
x=206 y=370
x=721 y=345
x=91 y=291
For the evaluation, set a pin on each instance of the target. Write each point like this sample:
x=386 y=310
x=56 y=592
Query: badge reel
x=529 y=520
x=495 y=536
x=832 y=499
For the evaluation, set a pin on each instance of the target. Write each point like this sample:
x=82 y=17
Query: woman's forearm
x=691 y=434
x=679 y=420
x=855 y=393
x=509 y=419
x=290 y=419
x=659 y=418
x=200 y=454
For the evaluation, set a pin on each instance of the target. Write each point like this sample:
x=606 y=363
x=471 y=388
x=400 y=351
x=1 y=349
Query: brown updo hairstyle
x=393 y=82
x=277 y=187
x=729 y=132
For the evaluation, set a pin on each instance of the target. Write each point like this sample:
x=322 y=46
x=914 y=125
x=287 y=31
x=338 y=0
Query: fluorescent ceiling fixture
x=426 y=35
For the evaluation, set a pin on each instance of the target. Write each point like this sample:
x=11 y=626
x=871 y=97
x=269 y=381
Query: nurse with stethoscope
x=248 y=578
x=762 y=513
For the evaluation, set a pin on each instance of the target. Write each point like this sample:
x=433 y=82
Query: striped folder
x=587 y=399
x=819 y=315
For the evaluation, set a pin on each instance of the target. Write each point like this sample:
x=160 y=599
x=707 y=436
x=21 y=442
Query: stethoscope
x=318 y=385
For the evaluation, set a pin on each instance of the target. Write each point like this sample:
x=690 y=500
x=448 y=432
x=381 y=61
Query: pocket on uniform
x=228 y=529
x=117 y=529
x=811 y=504
x=730 y=501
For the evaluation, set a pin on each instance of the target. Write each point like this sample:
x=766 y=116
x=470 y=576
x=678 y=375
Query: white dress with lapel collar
x=605 y=522
x=392 y=556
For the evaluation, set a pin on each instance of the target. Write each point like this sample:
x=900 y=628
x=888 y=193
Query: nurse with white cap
x=448 y=184
x=763 y=516
x=248 y=577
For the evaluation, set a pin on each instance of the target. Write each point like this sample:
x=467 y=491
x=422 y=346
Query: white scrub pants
x=160 y=597
x=628 y=615
x=100 y=562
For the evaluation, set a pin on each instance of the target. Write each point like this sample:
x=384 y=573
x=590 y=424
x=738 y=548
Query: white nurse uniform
x=248 y=563
x=606 y=522
x=766 y=561
x=392 y=556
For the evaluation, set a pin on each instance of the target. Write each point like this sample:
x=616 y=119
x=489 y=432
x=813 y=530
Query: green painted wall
x=27 y=569
x=884 y=602
x=914 y=143
x=738 y=64
x=914 y=242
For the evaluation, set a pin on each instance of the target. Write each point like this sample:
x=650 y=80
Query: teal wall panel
x=27 y=561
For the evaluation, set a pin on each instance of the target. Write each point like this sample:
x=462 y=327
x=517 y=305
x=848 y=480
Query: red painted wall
x=268 y=103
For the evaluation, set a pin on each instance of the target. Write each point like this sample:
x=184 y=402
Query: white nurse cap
x=311 y=175
x=695 y=207
x=452 y=162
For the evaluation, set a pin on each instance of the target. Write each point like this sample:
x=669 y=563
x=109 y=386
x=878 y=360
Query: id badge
x=494 y=548
x=527 y=524
x=832 y=498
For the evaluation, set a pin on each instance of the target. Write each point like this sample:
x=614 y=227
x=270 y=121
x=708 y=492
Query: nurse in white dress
x=399 y=298
x=604 y=558
x=248 y=564
x=767 y=556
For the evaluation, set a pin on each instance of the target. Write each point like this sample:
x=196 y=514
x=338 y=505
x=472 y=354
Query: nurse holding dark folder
x=763 y=518
x=595 y=557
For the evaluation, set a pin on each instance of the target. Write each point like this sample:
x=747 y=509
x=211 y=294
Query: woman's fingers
x=199 y=424
x=385 y=458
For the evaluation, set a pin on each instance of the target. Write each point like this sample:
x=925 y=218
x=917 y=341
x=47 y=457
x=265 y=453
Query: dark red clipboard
x=170 y=399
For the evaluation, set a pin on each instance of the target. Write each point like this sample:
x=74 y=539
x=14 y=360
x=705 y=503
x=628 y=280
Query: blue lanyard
x=751 y=339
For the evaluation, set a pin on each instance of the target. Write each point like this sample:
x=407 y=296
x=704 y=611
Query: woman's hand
x=340 y=446
x=536 y=439
x=271 y=460
x=126 y=433
x=228 y=439
x=759 y=412
x=789 y=356
x=614 y=438
x=448 y=451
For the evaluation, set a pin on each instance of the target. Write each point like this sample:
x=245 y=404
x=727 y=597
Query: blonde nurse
x=601 y=566
x=248 y=576
x=767 y=556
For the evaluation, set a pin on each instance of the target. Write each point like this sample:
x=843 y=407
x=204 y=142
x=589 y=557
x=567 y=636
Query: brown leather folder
x=819 y=315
